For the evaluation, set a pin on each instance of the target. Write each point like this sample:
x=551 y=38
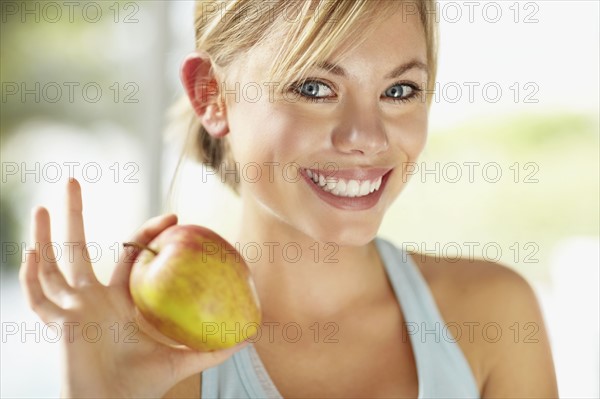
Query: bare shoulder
x=495 y=285
x=188 y=388
x=497 y=313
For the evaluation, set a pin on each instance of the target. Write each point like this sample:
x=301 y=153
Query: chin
x=348 y=237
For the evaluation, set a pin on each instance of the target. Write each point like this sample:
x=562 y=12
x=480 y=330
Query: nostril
x=361 y=141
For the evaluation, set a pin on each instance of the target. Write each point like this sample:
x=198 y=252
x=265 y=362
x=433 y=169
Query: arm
x=520 y=364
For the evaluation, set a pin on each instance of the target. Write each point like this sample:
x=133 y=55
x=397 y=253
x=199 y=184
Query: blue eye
x=314 y=89
x=400 y=91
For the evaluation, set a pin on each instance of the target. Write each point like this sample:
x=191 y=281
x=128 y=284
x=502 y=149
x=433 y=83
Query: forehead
x=390 y=38
x=396 y=35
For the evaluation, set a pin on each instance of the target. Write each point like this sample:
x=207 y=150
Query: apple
x=195 y=288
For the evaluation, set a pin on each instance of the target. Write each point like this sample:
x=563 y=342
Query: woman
x=329 y=100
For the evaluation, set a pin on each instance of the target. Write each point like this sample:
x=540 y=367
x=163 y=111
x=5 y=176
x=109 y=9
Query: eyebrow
x=396 y=72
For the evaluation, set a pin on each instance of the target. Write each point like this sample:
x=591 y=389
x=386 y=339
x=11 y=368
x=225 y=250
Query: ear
x=202 y=89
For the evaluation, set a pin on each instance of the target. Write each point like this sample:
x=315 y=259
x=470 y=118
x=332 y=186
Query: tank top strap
x=410 y=287
x=241 y=376
x=442 y=368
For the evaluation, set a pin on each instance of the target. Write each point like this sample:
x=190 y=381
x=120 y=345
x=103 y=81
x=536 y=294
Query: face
x=356 y=126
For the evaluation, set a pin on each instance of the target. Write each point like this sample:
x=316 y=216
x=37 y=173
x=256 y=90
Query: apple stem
x=139 y=246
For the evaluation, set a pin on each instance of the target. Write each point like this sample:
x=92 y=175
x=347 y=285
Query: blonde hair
x=229 y=30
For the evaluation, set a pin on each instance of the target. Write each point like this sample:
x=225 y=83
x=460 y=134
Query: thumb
x=192 y=362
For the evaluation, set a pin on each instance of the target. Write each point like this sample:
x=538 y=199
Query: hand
x=128 y=364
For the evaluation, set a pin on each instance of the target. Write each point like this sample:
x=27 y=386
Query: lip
x=351 y=203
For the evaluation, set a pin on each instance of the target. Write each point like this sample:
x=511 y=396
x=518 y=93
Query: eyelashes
x=405 y=93
x=315 y=90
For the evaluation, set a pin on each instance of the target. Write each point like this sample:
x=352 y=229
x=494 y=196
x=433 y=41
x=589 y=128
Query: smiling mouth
x=348 y=188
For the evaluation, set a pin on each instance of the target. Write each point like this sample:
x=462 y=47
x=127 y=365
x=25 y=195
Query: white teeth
x=340 y=188
x=378 y=184
x=364 y=188
x=345 y=188
x=372 y=186
x=331 y=184
x=352 y=188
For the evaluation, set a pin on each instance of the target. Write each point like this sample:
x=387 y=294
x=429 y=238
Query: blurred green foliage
x=74 y=51
x=548 y=191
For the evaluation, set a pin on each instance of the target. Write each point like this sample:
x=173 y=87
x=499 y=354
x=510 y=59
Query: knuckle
x=86 y=282
x=50 y=270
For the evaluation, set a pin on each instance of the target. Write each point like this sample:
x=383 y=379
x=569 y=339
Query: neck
x=303 y=280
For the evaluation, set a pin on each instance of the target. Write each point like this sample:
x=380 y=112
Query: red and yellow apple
x=195 y=288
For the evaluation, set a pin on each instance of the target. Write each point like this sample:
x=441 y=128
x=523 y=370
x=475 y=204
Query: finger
x=34 y=294
x=52 y=280
x=189 y=362
x=152 y=228
x=79 y=269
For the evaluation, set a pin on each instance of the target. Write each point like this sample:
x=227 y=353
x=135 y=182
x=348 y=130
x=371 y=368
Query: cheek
x=408 y=132
x=250 y=127
x=264 y=142
x=266 y=132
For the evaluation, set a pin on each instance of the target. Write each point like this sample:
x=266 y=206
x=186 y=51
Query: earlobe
x=214 y=120
x=202 y=90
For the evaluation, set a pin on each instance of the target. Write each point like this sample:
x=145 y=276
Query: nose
x=361 y=132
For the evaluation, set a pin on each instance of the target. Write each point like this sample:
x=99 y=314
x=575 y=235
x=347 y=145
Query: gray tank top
x=442 y=369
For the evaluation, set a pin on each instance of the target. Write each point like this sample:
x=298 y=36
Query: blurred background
x=510 y=172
